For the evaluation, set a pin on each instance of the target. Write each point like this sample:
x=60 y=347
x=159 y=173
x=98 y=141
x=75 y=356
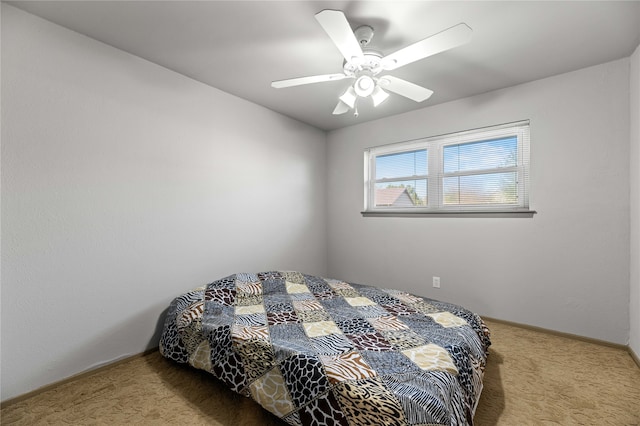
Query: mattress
x=319 y=351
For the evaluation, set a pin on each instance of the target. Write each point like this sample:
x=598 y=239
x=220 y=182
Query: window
x=472 y=171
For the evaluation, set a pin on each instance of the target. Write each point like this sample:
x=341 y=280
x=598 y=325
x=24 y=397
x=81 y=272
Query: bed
x=318 y=351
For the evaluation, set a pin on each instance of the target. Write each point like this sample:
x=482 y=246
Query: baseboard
x=634 y=356
x=567 y=335
x=81 y=375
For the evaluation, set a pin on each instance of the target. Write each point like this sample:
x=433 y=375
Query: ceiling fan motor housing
x=369 y=63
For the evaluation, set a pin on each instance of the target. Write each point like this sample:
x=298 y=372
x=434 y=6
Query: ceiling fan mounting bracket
x=364 y=34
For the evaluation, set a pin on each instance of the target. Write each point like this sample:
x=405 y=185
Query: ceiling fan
x=366 y=65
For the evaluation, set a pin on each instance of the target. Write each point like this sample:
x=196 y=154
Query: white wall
x=125 y=184
x=634 y=307
x=566 y=269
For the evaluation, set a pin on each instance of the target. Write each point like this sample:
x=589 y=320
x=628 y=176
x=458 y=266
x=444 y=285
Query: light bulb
x=364 y=86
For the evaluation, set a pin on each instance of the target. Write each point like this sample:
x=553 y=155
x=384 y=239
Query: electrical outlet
x=436 y=282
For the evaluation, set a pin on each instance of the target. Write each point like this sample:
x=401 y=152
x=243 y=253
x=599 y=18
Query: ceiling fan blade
x=337 y=27
x=341 y=108
x=279 y=84
x=405 y=88
x=444 y=40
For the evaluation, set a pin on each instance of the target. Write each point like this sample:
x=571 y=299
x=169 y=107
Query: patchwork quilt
x=318 y=351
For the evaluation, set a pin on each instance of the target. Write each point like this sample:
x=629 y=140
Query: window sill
x=479 y=213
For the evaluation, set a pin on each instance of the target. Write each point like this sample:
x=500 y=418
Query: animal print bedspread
x=316 y=351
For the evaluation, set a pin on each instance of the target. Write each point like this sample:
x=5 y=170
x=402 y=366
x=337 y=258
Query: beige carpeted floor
x=532 y=378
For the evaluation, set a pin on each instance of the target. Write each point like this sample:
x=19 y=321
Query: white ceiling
x=241 y=46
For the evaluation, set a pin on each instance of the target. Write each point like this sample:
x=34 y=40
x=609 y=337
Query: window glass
x=475 y=170
x=406 y=193
x=489 y=188
x=481 y=155
x=403 y=164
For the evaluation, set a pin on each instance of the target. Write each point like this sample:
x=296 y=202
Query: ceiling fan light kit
x=378 y=96
x=349 y=97
x=365 y=65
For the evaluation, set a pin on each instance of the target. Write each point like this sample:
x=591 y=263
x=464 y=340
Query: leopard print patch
x=369 y=403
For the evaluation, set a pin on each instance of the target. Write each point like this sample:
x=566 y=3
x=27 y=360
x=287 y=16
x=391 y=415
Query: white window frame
x=435 y=151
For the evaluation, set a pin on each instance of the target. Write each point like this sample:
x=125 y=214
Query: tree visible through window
x=479 y=169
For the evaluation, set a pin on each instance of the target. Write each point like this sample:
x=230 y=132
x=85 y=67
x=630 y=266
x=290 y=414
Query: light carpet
x=532 y=378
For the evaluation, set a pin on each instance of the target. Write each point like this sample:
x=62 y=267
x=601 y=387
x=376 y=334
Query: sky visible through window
x=482 y=155
x=405 y=165
x=409 y=170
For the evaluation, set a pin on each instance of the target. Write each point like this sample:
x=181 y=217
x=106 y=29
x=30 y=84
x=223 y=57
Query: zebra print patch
x=307 y=305
x=241 y=333
x=331 y=344
x=387 y=323
x=346 y=366
x=249 y=288
x=189 y=314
